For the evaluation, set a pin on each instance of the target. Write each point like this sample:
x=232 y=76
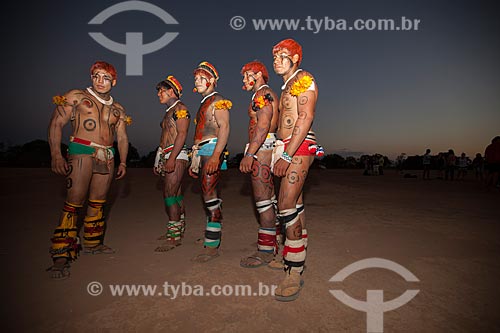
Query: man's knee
x=290 y=223
x=173 y=200
x=267 y=211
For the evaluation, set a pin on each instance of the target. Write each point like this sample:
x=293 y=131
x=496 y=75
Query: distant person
x=375 y=165
x=381 y=164
x=172 y=159
x=478 y=166
x=263 y=113
x=96 y=118
x=210 y=140
x=366 y=164
x=463 y=164
x=441 y=165
x=451 y=160
x=426 y=162
x=492 y=160
x=401 y=162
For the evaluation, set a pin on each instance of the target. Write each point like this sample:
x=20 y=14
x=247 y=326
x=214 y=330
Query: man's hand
x=246 y=164
x=212 y=165
x=169 y=166
x=280 y=168
x=59 y=166
x=192 y=174
x=122 y=171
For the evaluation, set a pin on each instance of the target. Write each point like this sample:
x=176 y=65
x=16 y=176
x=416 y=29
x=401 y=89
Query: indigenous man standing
x=263 y=113
x=95 y=119
x=172 y=158
x=210 y=139
x=294 y=154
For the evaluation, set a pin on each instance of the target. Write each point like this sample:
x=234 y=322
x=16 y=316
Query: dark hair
x=163 y=84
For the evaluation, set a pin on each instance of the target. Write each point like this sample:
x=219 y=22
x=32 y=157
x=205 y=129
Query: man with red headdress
x=210 y=139
x=95 y=119
x=294 y=154
x=263 y=113
x=172 y=158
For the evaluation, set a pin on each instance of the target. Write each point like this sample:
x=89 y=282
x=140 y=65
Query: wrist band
x=251 y=155
x=124 y=164
x=286 y=157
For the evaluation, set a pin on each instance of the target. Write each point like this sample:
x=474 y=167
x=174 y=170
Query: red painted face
x=248 y=80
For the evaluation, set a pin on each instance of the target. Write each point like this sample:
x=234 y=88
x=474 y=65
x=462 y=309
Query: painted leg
x=93 y=229
x=294 y=255
x=65 y=242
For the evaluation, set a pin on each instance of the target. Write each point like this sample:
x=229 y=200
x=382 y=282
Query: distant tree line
x=331 y=161
x=36 y=154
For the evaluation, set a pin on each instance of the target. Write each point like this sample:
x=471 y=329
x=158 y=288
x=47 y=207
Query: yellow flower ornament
x=223 y=104
x=301 y=85
x=59 y=100
x=128 y=120
x=181 y=114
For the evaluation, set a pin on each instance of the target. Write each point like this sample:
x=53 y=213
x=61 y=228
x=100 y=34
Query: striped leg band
x=300 y=208
x=288 y=218
x=214 y=207
x=213 y=234
x=264 y=205
x=65 y=243
x=174 y=230
x=294 y=255
x=93 y=226
x=267 y=240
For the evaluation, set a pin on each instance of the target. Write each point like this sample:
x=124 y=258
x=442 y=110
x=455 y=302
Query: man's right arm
x=60 y=117
x=182 y=117
x=264 y=116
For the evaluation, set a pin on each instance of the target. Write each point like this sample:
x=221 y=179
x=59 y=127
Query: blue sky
x=379 y=91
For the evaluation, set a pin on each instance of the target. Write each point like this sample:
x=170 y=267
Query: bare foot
x=168 y=245
x=276 y=264
x=208 y=254
x=98 y=249
x=60 y=269
x=257 y=259
x=289 y=289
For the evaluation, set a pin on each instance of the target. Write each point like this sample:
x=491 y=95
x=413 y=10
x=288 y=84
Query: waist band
x=79 y=146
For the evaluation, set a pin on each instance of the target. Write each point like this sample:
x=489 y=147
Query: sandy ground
x=445 y=233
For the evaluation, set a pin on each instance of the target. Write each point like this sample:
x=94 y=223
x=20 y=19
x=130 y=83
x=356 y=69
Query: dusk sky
x=379 y=91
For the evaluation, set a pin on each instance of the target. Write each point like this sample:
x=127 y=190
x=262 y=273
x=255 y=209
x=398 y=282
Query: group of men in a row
x=280 y=143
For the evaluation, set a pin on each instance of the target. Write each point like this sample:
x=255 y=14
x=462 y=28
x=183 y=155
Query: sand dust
x=445 y=233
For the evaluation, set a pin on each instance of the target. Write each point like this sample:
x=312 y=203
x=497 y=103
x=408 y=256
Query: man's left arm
x=182 y=125
x=122 y=139
x=222 y=117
